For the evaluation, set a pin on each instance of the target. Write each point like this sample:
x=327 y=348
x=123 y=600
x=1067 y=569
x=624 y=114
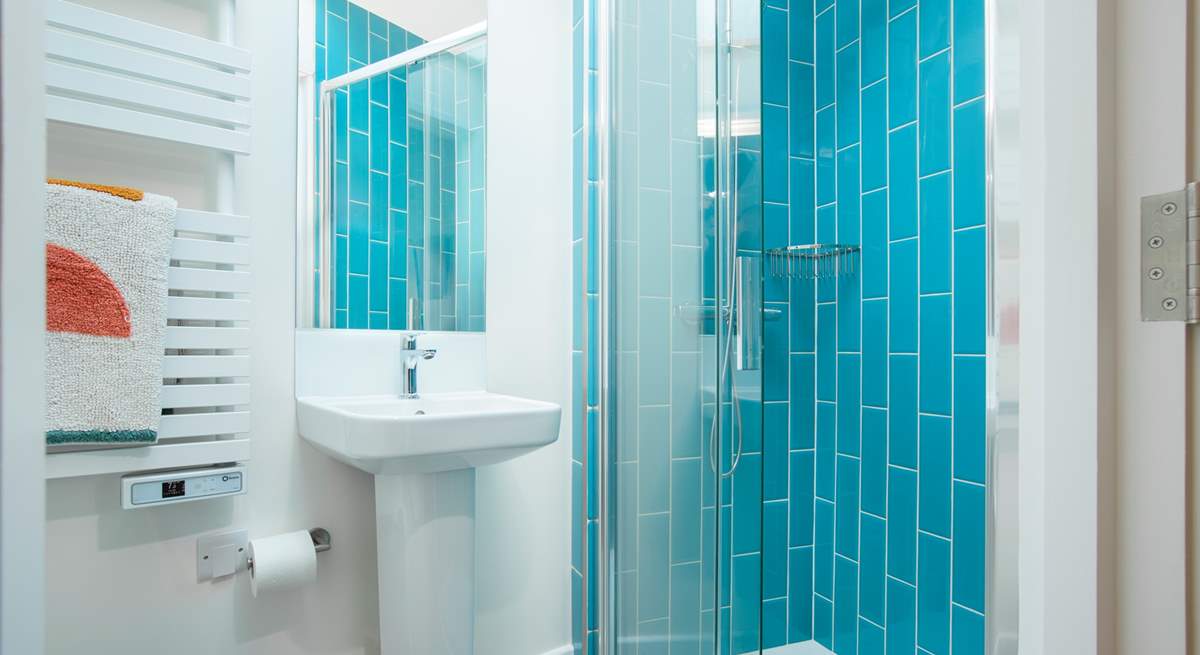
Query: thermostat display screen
x=173 y=488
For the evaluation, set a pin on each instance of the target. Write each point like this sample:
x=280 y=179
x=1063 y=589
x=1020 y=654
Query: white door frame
x=22 y=322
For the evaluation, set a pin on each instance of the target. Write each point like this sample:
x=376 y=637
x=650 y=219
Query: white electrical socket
x=220 y=555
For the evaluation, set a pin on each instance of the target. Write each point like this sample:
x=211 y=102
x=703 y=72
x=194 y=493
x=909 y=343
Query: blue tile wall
x=409 y=178
x=891 y=94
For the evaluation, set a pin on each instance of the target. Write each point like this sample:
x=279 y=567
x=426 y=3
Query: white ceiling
x=428 y=19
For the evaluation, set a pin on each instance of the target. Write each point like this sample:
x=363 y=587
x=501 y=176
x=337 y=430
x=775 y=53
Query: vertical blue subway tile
x=654 y=136
x=847 y=22
x=902 y=524
x=901 y=617
x=377 y=320
x=875 y=345
x=336 y=49
x=848 y=197
x=933 y=495
x=849 y=312
x=934 y=126
x=801 y=108
x=823 y=549
x=774 y=56
x=379 y=137
x=800 y=499
x=902 y=69
x=775 y=153
x=358 y=302
x=747 y=505
x=970 y=291
x=775 y=550
x=358 y=33
x=934 y=27
x=874 y=40
x=654 y=243
x=827 y=352
x=849 y=404
x=822 y=5
x=968 y=630
x=903 y=297
x=874 y=136
x=826 y=449
x=845 y=607
x=686 y=415
x=653 y=40
x=825 y=59
x=800 y=596
x=970 y=169
x=970 y=419
x=341 y=273
x=577 y=516
x=360 y=107
x=685 y=510
x=377 y=25
x=775 y=451
x=870 y=638
x=360 y=167
x=379 y=277
x=653 y=566
x=359 y=238
x=970 y=521
x=969 y=47
x=803 y=219
x=935 y=354
x=827 y=233
x=337 y=7
x=774 y=620
x=653 y=459
x=823 y=622
x=933 y=595
x=654 y=316
x=800 y=31
x=902 y=410
x=902 y=163
x=320 y=14
x=875 y=246
x=935 y=234
x=745 y=618
x=379 y=207
x=847 y=94
x=398 y=177
x=874 y=462
x=846 y=508
x=685 y=606
x=872 y=574
x=397 y=293
x=826 y=156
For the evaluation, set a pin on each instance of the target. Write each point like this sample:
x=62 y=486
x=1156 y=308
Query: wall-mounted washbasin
x=388 y=435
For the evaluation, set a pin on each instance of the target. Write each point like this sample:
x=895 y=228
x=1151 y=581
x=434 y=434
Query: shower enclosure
x=782 y=326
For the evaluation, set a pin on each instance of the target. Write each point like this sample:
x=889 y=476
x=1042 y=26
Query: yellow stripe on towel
x=128 y=193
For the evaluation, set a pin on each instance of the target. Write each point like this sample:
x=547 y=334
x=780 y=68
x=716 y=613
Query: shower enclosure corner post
x=325 y=219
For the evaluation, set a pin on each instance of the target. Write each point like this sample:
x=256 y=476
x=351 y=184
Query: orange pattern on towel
x=128 y=193
x=81 y=298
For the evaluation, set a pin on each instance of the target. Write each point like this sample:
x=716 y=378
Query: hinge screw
x=1169 y=208
x=1156 y=242
x=1156 y=273
x=1169 y=304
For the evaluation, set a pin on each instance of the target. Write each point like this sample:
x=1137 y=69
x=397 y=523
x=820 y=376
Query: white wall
x=22 y=312
x=523 y=506
x=124 y=581
x=428 y=20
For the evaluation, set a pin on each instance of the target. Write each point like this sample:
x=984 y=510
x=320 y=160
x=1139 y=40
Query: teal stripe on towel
x=57 y=437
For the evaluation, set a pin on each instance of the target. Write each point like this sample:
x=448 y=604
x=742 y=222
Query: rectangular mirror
x=404 y=240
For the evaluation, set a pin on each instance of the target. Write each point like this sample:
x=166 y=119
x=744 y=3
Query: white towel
x=107 y=253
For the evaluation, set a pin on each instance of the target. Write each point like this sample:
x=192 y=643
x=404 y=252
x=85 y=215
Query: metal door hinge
x=1171 y=256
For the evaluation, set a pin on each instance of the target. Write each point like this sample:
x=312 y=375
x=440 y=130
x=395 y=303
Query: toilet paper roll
x=282 y=562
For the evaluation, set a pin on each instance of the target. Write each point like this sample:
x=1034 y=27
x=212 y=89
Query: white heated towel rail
x=113 y=73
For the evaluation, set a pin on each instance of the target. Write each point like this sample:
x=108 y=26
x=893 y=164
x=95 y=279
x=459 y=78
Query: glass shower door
x=685 y=244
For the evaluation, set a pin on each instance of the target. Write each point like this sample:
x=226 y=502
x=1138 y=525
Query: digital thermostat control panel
x=146 y=490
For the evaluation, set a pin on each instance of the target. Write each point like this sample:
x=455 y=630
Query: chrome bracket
x=1171 y=256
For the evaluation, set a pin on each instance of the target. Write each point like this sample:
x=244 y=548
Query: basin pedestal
x=426 y=541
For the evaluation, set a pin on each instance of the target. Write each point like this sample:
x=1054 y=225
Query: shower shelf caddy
x=814 y=261
x=117 y=74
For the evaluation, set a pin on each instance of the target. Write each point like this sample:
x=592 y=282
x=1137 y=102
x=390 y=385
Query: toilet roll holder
x=322 y=541
x=224 y=554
